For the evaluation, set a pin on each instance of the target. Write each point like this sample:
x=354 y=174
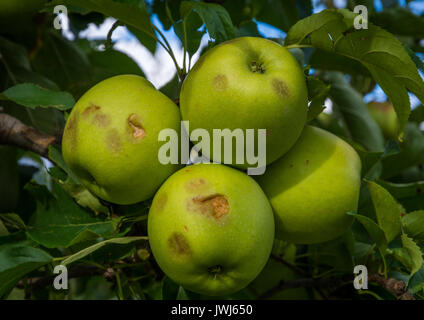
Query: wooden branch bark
x=396 y=287
x=14 y=132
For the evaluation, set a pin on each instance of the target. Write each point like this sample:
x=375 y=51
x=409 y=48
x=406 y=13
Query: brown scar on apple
x=112 y=140
x=178 y=244
x=71 y=130
x=160 y=201
x=215 y=205
x=137 y=129
x=280 y=87
x=101 y=120
x=194 y=184
x=220 y=82
x=90 y=109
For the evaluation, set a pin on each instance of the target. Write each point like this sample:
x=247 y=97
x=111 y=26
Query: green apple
x=211 y=229
x=247 y=83
x=385 y=116
x=111 y=139
x=312 y=188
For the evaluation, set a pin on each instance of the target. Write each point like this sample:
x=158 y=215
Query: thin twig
x=301 y=283
x=289 y=265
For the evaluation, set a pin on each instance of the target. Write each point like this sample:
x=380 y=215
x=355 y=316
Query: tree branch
x=396 y=287
x=289 y=265
x=14 y=132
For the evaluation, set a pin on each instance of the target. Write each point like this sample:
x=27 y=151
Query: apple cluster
x=212 y=227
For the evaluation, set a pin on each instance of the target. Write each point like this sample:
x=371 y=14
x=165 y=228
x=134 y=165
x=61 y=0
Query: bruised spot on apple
x=280 y=88
x=136 y=127
x=112 y=140
x=101 y=120
x=195 y=184
x=178 y=244
x=212 y=240
x=220 y=82
x=90 y=110
x=215 y=206
x=161 y=201
x=71 y=132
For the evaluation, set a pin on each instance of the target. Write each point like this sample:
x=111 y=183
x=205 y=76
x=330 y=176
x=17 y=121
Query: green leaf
x=215 y=17
x=109 y=63
x=71 y=183
x=413 y=258
x=370 y=160
x=3 y=229
x=400 y=21
x=193 y=36
x=387 y=211
x=280 y=14
x=416 y=282
x=169 y=289
x=410 y=195
x=318 y=91
x=145 y=39
x=60 y=222
x=379 y=51
x=131 y=12
x=411 y=152
x=62 y=61
x=85 y=252
x=19 y=67
x=326 y=60
x=349 y=102
x=417 y=115
x=374 y=231
x=18 y=260
x=55 y=155
x=12 y=221
x=413 y=223
x=31 y=95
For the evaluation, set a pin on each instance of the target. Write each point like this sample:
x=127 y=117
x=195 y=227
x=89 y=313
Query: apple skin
x=211 y=229
x=312 y=188
x=222 y=91
x=111 y=139
x=385 y=116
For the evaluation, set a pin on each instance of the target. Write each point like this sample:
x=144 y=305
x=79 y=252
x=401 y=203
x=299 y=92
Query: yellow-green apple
x=211 y=229
x=111 y=139
x=385 y=116
x=313 y=187
x=247 y=83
